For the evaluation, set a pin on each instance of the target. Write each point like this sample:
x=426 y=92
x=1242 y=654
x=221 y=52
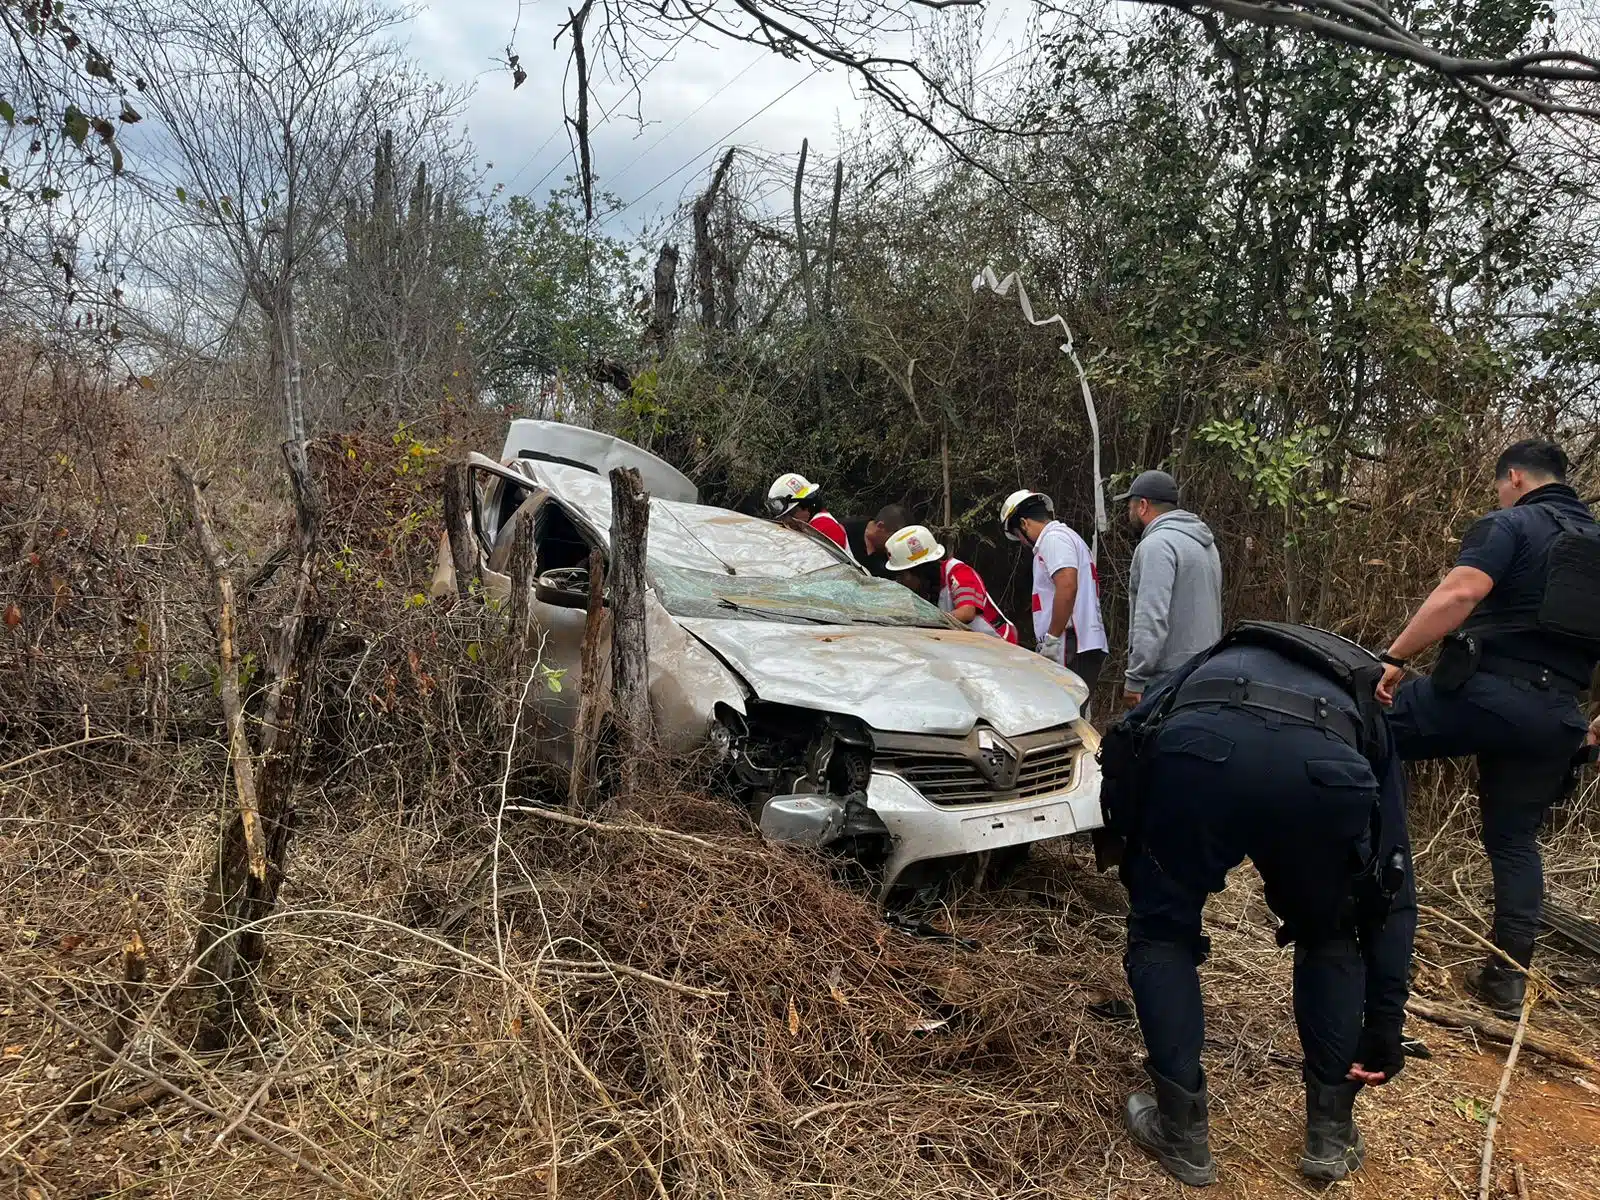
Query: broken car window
x=837 y=595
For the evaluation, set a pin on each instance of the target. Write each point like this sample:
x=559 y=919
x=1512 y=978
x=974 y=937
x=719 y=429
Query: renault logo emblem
x=997 y=759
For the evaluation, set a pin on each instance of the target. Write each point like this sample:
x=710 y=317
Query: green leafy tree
x=561 y=303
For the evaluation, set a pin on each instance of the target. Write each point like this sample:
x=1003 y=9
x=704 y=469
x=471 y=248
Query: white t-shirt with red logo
x=959 y=586
x=825 y=524
x=1058 y=547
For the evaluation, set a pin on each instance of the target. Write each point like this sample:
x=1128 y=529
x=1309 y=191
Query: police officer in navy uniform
x=1248 y=751
x=1507 y=682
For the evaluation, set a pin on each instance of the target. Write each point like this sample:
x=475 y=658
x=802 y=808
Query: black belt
x=1280 y=702
x=1535 y=673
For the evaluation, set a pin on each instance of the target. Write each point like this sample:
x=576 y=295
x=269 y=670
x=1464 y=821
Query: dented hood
x=933 y=681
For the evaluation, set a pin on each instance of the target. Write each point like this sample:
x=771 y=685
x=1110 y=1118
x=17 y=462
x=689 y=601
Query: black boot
x=1499 y=986
x=1172 y=1125
x=1333 y=1143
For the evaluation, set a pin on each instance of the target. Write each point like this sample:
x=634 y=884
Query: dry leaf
x=13 y=1051
x=13 y=615
x=71 y=942
x=516 y=1026
x=794 y=1019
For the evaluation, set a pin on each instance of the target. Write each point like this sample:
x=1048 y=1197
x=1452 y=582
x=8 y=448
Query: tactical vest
x=1352 y=668
x=1570 y=606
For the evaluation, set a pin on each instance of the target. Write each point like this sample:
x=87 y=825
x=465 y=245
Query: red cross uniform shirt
x=825 y=524
x=959 y=586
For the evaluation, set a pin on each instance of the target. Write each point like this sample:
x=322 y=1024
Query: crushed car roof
x=591 y=450
x=696 y=537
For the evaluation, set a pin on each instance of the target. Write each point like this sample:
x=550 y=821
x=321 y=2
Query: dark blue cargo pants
x=1524 y=737
x=1227 y=783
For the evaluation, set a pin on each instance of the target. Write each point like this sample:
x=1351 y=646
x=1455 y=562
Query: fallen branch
x=112 y=1108
x=83 y=741
x=656 y=831
x=1486 y=1163
x=607 y=968
x=1522 y=1181
x=178 y=1093
x=1500 y=1031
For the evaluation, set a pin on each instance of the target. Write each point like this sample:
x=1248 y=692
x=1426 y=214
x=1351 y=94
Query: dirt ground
x=843 y=1059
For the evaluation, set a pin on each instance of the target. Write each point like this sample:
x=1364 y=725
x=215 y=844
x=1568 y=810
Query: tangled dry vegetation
x=467 y=996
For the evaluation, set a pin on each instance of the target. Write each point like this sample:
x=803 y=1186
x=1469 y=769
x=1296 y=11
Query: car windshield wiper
x=777 y=614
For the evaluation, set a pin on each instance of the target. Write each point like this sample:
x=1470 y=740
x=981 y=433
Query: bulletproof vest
x=1345 y=664
x=1572 y=582
x=1353 y=668
x=1567 y=608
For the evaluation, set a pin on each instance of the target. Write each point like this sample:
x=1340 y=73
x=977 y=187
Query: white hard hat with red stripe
x=1015 y=501
x=913 y=546
x=786 y=491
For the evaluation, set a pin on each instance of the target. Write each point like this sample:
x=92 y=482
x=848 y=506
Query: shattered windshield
x=835 y=595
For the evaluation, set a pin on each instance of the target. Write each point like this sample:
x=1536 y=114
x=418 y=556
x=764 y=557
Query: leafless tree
x=270 y=109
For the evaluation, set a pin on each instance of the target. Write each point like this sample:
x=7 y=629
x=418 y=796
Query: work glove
x=1050 y=647
x=1381 y=1050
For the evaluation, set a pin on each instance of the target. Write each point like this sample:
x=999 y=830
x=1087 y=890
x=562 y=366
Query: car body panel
x=687 y=680
x=935 y=681
x=696 y=537
x=597 y=453
x=924 y=831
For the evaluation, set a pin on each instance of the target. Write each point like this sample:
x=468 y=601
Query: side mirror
x=567 y=587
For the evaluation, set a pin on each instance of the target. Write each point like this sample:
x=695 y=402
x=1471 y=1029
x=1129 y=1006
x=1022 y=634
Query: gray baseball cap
x=1151 y=485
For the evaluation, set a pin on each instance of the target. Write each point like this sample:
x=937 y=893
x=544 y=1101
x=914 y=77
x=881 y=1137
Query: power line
x=815 y=70
x=750 y=66
x=714 y=145
x=606 y=116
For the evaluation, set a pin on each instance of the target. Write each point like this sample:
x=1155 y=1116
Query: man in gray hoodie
x=1175 y=588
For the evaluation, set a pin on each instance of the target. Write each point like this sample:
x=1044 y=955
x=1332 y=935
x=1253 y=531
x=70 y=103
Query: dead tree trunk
x=458 y=526
x=591 y=698
x=239 y=756
x=705 y=249
x=833 y=241
x=800 y=230
x=135 y=965
x=630 y=665
x=248 y=868
x=664 y=303
x=523 y=568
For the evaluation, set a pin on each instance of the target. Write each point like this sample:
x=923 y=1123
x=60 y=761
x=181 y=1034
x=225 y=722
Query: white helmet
x=1015 y=501
x=912 y=547
x=787 y=491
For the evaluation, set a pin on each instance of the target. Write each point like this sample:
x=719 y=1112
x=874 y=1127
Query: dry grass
x=465 y=999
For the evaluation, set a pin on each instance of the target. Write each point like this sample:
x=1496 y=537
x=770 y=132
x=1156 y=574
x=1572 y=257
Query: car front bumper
x=923 y=830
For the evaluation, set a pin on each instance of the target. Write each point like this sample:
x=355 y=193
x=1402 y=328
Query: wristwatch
x=1392 y=661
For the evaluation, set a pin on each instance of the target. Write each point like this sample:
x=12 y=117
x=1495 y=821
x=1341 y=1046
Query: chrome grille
x=954 y=779
x=1048 y=770
x=943 y=779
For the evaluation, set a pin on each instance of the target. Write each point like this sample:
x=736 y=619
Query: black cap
x=1151 y=485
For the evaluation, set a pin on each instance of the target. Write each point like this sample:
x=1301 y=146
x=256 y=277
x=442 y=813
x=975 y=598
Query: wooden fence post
x=591 y=700
x=630 y=664
x=458 y=526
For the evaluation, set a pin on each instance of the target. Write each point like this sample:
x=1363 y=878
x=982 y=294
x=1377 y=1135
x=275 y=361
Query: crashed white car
x=843 y=709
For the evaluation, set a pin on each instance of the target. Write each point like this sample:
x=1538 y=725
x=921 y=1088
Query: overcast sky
x=702 y=99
